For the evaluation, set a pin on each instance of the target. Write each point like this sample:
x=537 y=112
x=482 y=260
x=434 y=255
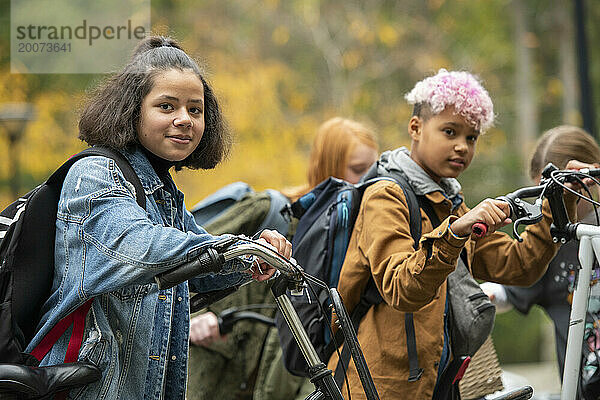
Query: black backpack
x=326 y=219
x=27 y=233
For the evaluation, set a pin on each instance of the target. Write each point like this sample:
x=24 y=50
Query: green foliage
x=518 y=338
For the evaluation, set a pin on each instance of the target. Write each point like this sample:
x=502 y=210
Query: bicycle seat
x=36 y=382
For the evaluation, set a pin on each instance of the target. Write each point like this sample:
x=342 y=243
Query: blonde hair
x=560 y=145
x=332 y=146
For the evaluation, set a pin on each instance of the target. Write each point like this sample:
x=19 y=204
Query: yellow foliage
x=52 y=137
x=435 y=4
x=13 y=87
x=352 y=59
x=574 y=117
x=271 y=4
x=388 y=35
x=448 y=23
x=309 y=10
x=360 y=30
x=491 y=142
x=267 y=138
x=281 y=35
x=426 y=62
x=554 y=87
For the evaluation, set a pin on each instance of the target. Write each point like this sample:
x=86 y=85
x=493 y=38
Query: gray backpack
x=471 y=312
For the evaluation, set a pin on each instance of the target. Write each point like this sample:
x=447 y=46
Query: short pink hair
x=459 y=89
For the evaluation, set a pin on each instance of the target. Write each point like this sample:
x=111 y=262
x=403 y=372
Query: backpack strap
x=377 y=170
x=77 y=319
x=415 y=204
x=275 y=218
x=59 y=175
x=371 y=295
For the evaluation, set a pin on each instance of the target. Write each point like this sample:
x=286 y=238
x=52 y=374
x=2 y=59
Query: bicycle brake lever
x=516 y=229
x=523 y=213
x=223 y=244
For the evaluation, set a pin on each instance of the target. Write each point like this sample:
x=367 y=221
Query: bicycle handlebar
x=270 y=256
x=211 y=260
x=551 y=187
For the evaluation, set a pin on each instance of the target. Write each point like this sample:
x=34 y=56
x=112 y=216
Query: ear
x=414 y=128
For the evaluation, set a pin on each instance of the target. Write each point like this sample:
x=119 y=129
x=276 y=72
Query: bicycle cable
x=576 y=175
x=331 y=333
x=589 y=197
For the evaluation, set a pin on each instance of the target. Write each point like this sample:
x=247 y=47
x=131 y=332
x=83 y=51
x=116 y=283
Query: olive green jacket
x=247 y=365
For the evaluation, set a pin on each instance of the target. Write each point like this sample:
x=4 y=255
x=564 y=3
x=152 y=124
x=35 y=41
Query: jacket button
x=179 y=298
x=174 y=358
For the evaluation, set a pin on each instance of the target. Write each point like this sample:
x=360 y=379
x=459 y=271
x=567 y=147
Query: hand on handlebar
x=492 y=213
x=204 y=329
x=577 y=165
x=262 y=271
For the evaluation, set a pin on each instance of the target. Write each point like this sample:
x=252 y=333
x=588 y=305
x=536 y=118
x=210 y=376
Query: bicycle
x=294 y=279
x=552 y=187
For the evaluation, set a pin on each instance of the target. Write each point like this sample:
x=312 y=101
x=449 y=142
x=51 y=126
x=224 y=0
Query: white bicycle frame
x=589 y=248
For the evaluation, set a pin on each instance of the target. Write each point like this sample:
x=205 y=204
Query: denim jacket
x=108 y=248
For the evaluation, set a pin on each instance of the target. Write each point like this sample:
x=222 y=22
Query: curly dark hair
x=111 y=116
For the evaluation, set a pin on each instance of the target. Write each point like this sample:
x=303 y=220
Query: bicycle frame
x=322 y=378
x=589 y=248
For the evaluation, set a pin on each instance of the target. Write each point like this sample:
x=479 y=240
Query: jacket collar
x=148 y=177
x=399 y=160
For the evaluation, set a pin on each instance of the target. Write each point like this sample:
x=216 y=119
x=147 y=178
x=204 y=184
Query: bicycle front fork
x=320 y=376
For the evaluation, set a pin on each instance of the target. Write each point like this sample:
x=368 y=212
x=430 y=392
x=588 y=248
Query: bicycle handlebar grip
x=209 y=261
x=594 y=172
x=479 y=229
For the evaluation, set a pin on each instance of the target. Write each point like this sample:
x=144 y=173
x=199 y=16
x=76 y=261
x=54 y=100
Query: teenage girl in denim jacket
x=159 y=113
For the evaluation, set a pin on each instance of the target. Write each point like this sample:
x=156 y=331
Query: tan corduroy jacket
x=415 y=281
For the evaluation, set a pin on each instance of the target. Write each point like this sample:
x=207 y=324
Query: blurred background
x=283 y=67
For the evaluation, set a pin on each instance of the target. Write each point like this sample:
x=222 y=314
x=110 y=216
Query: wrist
x=457 y=230
x=456 y=235
x=451 y=237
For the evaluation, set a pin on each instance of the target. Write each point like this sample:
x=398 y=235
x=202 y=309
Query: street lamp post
x=13 y=118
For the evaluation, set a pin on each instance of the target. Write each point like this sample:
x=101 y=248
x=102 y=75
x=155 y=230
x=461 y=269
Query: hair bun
x=155 y=42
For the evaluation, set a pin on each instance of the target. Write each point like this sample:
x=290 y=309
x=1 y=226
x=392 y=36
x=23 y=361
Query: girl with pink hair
x=451 y=111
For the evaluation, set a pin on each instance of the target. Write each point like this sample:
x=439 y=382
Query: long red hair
x=333 y=144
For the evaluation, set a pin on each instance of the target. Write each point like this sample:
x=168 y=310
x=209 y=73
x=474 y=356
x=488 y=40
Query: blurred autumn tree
x=283 y=67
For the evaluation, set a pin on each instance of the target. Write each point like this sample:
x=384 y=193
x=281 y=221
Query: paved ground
x=542 y=377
